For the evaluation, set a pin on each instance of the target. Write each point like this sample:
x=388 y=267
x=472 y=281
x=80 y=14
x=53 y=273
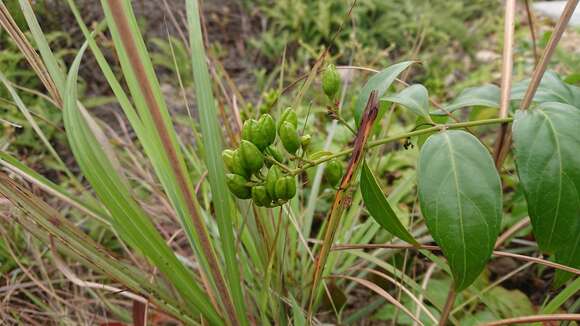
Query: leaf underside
x=460 y=197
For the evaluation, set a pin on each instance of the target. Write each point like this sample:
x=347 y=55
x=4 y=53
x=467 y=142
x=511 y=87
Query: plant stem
x=386 y=140
x=448 y=305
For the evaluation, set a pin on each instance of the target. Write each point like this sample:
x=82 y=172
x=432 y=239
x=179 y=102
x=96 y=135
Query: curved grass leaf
x=128 y=218
x=379 y=82
x=546 y=146
x=486 y=95
x=460 y=198
x=414 y=98
x=379 y=208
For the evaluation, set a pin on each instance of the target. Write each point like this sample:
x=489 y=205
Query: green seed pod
x=232 y=162
x=275 y=153
x=305 y=140
x=267 y=127
x=333 y=172
x=285 y=188
x=330 y=81
x=260 y=196
x=250 y=156
x=228 y=158
x=288 y=116
x=238 y=187
x=289 y=137
x=272 y=177
x=249 y=129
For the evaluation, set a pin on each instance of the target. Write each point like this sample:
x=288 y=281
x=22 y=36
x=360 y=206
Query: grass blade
x=211 y=133
x=128 y=218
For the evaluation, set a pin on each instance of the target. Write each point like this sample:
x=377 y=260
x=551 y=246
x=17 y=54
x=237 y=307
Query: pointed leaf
x=546 y=146
x=486 y=95
x=379 y=208
x=414 y=98
x=379 y=82
x=460 y=198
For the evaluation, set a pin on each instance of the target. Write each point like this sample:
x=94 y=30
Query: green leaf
x=379 y=82
x=486 y=95
x=414 y=98
x=461 y=201
x=379 y=208
x=551 y=89
x=128 y=219
x=211 y=129
x=546 y=146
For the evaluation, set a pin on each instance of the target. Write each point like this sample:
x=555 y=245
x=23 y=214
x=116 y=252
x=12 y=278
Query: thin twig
x=501 y=152
x=436 y=248
x=448 y=305
x=506 y=72
x=548 y=52
x=531 y=24
x=534 y=319
x=511 y=231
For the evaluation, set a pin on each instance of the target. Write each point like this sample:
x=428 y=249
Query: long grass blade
x=29 y=53
x=56 y=73
x=211 y=133
x=128 y=218
x=44 y=222
x=166 y=156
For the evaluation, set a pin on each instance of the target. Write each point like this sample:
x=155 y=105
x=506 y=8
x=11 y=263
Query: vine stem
x=387 y=140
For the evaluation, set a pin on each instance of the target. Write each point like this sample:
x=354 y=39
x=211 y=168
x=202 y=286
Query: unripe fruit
x=272 y=177
x=267 y=128
x=238 y=186
x=333 y=172
x=288 y=116
x=250 y=156
x=260 y=196
x=305 y=140
x=248 y=129
x=228 y=158
x=289 y=137
x=330 y=81
x=232 y=162
x=261 y=133
x=275 y=153
x=285 y=188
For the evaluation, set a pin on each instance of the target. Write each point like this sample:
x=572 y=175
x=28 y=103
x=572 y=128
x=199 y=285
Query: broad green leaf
x=379 y=82
x=414 y=98
x=546 y=146
x=461 y=200
x=551 y=89
x=486 y=95
x=379 y=208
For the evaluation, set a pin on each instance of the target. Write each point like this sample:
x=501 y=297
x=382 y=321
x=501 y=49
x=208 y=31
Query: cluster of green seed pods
x=253 y=166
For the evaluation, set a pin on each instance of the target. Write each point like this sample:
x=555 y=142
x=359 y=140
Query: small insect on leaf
x=461 y=200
